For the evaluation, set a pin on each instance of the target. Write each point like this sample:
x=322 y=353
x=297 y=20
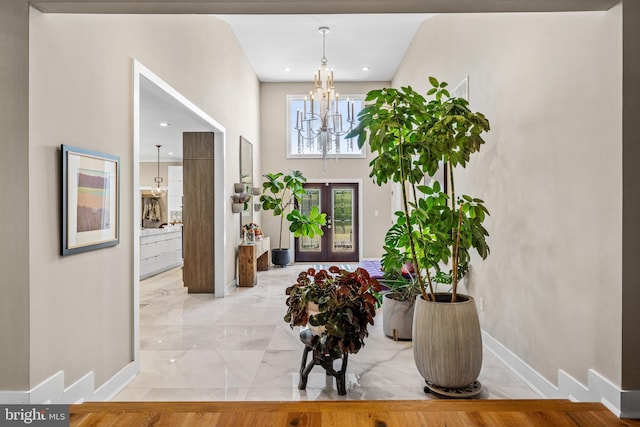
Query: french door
x=340 y=240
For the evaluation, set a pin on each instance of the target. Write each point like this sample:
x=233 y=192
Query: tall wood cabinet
x=197 y=216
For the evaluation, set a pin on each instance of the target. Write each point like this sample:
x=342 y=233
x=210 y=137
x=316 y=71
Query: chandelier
x=159 y=190
x=321 y=123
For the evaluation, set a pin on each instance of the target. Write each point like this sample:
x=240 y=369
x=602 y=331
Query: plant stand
x=461 y=392
x=323 y=359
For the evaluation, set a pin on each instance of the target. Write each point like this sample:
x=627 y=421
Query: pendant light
x=321 y=122
x=159 y=190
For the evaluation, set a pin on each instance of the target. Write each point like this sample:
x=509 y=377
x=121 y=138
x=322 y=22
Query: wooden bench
x=253 y=257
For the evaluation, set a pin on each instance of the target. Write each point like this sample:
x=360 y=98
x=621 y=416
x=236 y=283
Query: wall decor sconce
x=240 y=200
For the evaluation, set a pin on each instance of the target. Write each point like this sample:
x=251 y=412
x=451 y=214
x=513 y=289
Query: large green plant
x=346 y=303
x=412 y=138
x=279 y=192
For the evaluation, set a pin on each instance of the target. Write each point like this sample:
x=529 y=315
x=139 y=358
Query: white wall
x=81 y=94
x=273 y=138
x=550 y=174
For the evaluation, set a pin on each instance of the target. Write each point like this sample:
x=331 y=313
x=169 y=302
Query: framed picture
x=90 y=200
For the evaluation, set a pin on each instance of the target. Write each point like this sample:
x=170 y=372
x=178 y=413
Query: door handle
x=328 y=221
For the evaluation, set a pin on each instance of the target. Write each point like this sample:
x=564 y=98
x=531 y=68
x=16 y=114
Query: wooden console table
x=253 y=257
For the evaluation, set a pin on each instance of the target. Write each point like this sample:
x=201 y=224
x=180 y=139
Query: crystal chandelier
x=321 y=122
x=159 y=190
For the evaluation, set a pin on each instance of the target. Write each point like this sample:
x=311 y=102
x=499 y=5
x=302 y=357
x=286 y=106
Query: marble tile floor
x=194 y=347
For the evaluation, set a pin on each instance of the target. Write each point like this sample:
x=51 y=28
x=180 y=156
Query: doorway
x=340 y=241
x=144 y=80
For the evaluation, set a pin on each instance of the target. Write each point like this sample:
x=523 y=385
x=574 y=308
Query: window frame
x=289 y=130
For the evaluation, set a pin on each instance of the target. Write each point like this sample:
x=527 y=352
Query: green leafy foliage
x=308 y=226
x=411 y=138
x=347 y=305
x=279 y=192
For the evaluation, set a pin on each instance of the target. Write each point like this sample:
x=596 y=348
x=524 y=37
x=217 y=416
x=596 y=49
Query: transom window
x=303 y=145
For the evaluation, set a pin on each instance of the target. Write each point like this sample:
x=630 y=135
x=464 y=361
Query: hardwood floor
x=378 y=413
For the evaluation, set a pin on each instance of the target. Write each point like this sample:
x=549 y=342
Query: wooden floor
x=555 y=413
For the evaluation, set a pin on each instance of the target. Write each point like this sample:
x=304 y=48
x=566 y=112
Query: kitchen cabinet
x=160 y=250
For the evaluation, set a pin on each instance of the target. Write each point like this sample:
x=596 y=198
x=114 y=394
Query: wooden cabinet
x=198 y=214
x=252 y=258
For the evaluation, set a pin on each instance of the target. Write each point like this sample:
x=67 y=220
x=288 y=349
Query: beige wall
x=81 y=94
x=550 y=174
x=273 y=138
x=14 y=193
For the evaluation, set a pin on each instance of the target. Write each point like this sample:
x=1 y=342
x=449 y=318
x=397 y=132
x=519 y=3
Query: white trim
x=231 y=286
x=622 y=403
x=116 y=383
x=220 y=218
x=138 y=69
x=357 y=181
x=526 y=373
x=52 y=389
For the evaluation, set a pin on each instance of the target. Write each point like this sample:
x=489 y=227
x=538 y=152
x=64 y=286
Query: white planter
x=237 y=207
x=397 y=317
x=313 y=309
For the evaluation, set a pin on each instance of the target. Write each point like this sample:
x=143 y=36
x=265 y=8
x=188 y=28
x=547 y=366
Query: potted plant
x=398 y=303
x=337 y=305
x=240 y=202
x=412 y=138
x=341 y=302
x=279 y=193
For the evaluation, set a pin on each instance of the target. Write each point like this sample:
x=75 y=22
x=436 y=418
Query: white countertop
x=156 y=231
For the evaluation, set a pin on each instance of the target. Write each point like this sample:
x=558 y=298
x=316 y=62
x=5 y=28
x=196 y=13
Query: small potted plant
x=280 y=192
x=343 y=303
x=399 y=301
x=240 y=202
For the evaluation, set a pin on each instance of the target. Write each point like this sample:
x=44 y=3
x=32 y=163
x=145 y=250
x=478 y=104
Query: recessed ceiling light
x=365 y=68
x=164 y=124
x=286 y=69
x=171 y=153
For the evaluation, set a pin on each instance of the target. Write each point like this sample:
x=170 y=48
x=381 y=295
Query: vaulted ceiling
x=279 y=34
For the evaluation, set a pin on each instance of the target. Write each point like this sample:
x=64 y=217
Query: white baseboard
x=623 y=403
x=228 y=288
x=52 y=390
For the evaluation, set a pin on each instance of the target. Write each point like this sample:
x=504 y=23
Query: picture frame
x=90 y=200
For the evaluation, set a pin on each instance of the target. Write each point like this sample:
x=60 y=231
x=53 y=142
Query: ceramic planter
x=313 y=309
x=280 y=257
x=447 y=344
x=397 y=317
x=237 y=207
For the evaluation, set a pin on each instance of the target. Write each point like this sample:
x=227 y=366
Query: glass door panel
x=342 y=218
x=339 y=242
x=311 y=199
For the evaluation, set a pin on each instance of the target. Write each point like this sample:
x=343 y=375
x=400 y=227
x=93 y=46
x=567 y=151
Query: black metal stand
x=323 y=359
